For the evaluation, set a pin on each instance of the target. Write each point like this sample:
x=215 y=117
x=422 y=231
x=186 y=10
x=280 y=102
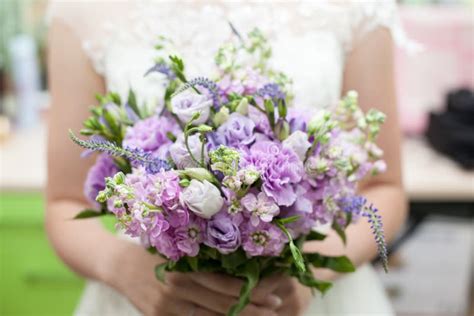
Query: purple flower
x=252 y=80
x=238 y=130
x=261 y=207
x=228 y=86
x=95 y=181
x=190 y=236
x=163 y=69
x=298 y=119
x=261 y=121
x=271 y=91
x=166 y=246
x=263 y=240
x=150 y=135
x=352 y=204
x=223 y=233
x=280 y=169
x=164 y=189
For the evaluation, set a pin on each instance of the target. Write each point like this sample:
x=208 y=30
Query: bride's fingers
x=218 y=282
x=203 y=297
x=231 y=286
x=185 y=308
x=265 y=289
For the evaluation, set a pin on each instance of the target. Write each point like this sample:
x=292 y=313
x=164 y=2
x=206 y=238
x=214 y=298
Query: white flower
x=232 y=182
x=249 y=175
x=202 y=198
x=298 y=142
x=180 y=154
x=187 y=103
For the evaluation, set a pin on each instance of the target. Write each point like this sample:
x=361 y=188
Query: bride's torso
x=309 y=40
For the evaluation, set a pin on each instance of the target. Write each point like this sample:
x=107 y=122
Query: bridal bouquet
x=224 y=175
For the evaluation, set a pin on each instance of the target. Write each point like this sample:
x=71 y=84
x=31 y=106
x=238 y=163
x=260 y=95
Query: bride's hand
x=131 y=272
x=295 y=297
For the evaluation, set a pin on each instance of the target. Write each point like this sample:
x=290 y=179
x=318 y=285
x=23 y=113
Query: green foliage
x=177 y=65
x=251 y=272
x=338 y=264
x=313 y=235
x=340 y=231
x=90 y=213
x=295 y=251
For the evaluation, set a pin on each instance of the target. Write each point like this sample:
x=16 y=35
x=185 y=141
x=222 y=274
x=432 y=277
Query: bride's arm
x=370 y=71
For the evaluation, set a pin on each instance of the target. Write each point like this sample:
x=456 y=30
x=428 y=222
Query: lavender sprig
x=163 y=69
x=272 y=91
x=375 y=221
x=206 y=83
x=136 y=155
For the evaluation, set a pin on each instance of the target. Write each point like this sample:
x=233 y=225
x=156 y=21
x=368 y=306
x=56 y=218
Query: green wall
x=33 y=281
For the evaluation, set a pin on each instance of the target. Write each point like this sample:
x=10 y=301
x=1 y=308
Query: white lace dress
x=310 y=43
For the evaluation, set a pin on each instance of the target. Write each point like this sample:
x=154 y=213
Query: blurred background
x=432 y=268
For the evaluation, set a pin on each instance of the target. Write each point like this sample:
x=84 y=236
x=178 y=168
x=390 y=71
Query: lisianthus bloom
x=261 y=121
x=238 y=130
x=95 y=182
x=279 y=167
x=265 y=239
x=180 y=154
x=223 y=233
x=150 y=135
x=202 y=198
x=188 y=103
x=260 y=206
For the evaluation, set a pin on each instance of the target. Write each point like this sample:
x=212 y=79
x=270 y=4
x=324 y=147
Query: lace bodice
x=310 y=40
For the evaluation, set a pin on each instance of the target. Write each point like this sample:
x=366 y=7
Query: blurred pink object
x=445 y=62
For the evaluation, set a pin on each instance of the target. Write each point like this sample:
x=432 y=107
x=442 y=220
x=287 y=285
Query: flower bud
x=243 y=107
x=200 y=174
x=222 y=116
x=282 y=130
x=249 y=176
x=232 y=182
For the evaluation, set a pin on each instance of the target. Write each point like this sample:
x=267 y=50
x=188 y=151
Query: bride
x=326 y=47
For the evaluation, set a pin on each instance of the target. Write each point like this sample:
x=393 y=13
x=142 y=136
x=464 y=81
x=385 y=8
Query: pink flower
x=261 y=207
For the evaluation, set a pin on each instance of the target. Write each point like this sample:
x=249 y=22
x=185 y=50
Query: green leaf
x=209 y=252
x=132 y=103
x=309 y=280
x=288 y=220
x=177 y=65
x=233 y=260
x=339 y=231
x=87 y=132
x=282 y=109
x=295 y=251
x=193 y=263
x=338 y=264
x=297 y=256
x=160 y=271
x=89 y=213
x=314 y=235
x=270 y=110
x=112 y=124
x=115 y=98
x=251 y=273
